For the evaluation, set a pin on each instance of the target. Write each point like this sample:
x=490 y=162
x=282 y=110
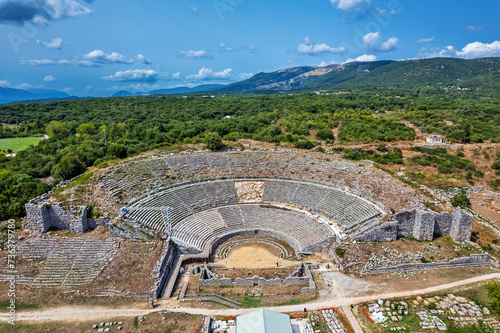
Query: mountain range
x=481 y=73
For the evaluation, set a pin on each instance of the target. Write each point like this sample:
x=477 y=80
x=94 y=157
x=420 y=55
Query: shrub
x=340 y=252
x=213 y=141
x=460 y=199
x=325 y=134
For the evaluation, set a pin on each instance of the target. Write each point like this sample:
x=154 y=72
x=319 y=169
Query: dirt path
x=100 y=313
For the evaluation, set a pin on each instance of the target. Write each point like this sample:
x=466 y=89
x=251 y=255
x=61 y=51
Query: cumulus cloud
x=176 y=76
x=426 y=40
x=315 y=49
x=98 y=56
x=201 y=54
x=372 y=41
x=208 y=73
x=479 y=50
x=39 y=12
x=4 y=83
x=470 y=51
x=56 y=43
x=363 y=58
x=143 y=59
x=49 y=78
x=351 y=5
x=136 y=75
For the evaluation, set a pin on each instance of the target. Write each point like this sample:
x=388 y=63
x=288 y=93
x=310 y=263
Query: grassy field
x=18 y=144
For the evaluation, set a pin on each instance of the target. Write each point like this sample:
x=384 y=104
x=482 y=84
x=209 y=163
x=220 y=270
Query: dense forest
x=90 y=132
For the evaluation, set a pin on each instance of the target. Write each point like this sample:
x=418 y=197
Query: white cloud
x=49 y=78
x=56 y=43
x=244 y=76
x=326 y=63
x=4 y=83
x=68 y=89
x=143 y=59
x=391 y=44
x=363 y=58
x=98 y=56
x=208 y=73
x=314 y=49
x=475 y=28
x=470 y=51
x=372 y=41
x=479 y=50
x=39 y=12
x=36 y=62
x=136 y=75
x=225 y=46
x=176 y=76
x=95 y=58
x=351 y=5
x=426 y=40
x=24 y=86
x=193 y=8
x=193 y=54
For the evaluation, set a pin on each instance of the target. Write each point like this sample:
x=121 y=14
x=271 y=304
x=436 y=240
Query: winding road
x=85 y=313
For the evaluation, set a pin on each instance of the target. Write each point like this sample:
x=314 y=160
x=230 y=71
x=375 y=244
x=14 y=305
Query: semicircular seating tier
x=206 y=209
x=134 y=178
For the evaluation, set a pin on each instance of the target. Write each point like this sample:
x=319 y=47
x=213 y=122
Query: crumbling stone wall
x=473 y=260
x=43 y=216
x=301 y=276
x=423 y=229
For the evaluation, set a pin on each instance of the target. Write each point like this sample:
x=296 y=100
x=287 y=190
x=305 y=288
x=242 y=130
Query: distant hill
x=186 y=90
x=443 y=72
x=49 y=94
x=122 y=93
x=8 y=95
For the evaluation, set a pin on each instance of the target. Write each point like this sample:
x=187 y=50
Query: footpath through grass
x=18 y=144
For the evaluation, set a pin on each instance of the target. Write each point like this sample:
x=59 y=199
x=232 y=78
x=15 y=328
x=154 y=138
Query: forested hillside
x=90 y=132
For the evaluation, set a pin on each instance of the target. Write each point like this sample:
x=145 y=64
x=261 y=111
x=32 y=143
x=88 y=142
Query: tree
x=324 y=134
x=57 y=129
x=70 y=166
x=117 y=150
x=213 y=141
x=460 y=199
x=87 y=128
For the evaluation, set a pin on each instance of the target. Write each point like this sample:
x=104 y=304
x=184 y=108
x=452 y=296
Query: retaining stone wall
x=473 y=260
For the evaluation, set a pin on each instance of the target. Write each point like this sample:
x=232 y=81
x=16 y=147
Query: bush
x=325 y=134
x=304 y=144
x=213 y=141
x=340 y=252
x=460 y=199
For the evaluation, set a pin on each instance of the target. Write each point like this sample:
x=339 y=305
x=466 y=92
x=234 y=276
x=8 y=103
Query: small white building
x=435 y=139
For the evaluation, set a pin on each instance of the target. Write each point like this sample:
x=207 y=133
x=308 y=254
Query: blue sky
x=97 y=47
